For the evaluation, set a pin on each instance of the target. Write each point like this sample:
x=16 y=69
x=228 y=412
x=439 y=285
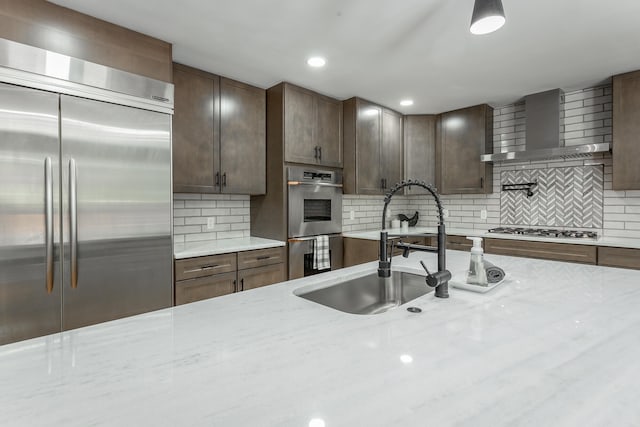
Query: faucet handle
x=438 y=278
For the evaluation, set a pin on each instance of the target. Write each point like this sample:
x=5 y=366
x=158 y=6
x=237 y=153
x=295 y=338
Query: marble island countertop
x=557 y=344
x=601 y=241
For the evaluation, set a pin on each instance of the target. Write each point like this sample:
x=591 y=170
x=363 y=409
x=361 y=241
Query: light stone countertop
x=556 y=344
x=222 y=246
x=620 y=242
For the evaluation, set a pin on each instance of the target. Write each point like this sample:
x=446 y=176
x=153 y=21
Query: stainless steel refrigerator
x=85 y=194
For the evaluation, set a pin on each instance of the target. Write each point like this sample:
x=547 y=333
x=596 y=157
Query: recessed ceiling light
x=316 y=61
x=406 y=102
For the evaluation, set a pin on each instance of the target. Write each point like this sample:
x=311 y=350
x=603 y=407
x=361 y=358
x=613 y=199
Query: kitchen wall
x=586 y=117
x=191 y=211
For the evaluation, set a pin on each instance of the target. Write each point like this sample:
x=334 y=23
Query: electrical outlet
x=211 y=223
x=352 y=214
x=445 y=212
x=483 y=214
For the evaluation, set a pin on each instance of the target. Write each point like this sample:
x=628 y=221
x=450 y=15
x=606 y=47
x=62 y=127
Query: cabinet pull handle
x=315 y=152
x=382 y=183
x=224 y=179
x=481 y=182
x=263 y=257
x=217 y=179
x=319 y=153
x=235 y=285
x=203 y=268
x=242 y=284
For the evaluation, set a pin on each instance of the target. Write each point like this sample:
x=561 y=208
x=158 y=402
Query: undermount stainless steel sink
x=369 y=294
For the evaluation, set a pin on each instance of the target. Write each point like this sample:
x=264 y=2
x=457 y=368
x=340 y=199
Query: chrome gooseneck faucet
x=439 y=279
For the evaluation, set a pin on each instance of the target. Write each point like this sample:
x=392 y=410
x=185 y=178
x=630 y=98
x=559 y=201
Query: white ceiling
x=388 y=50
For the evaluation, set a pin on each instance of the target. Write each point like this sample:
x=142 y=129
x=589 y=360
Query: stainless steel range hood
x=543 y=133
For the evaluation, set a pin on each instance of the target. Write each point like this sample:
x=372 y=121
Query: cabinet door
x=299 y=124
x=391 y=148
x=619 y=257
x=242 y=138
x=359 y=251
x=328 y=133
x=419 y=151
x=626 y=131
x=368 y=144
x=544 y=250
x=205 y=287
x=195 y=131
x=262 y=276
x=463 y=135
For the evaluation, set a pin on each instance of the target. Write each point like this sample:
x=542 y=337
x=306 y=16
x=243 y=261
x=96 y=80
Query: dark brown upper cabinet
x=372 y=147
x=312 y=126
x=219 y=134
x=626 y=131
x=420 y=150
x=461 y=137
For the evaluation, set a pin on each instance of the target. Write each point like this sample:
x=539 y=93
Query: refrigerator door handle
x=73 y=222
x=48 y=222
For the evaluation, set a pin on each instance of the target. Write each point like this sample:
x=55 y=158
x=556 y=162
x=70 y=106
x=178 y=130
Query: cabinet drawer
x=262 y=276
x=205 y=287
x=619 y=257
x=459 y=243
x=260 y=257
x=191 y=268
x=553 y=251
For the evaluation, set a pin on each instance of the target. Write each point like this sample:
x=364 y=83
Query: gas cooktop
x=546 y=232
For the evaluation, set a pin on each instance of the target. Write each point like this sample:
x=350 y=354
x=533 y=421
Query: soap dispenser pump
x=477 y=275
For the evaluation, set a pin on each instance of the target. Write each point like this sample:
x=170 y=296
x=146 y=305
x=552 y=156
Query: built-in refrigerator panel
x=116 y=198
x=30 y=276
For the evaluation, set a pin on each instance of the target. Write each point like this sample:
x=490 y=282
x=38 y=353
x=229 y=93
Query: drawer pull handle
x=203 y=268
x=260 y=258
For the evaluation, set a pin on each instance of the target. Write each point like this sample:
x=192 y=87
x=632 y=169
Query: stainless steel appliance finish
x=543 y=133
x=116 y=161
x=30 y=270
x=301 y=255
x=85 y=211
x=546 y=232
x=314 y=202
x=369 y=294
x=38 y=68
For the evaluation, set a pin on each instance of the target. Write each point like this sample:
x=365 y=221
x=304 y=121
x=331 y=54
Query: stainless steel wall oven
x=314 y=208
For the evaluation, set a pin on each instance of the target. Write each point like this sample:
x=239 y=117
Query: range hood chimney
x=542 y=134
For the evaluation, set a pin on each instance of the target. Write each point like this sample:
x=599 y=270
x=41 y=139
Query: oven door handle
x=319 y=184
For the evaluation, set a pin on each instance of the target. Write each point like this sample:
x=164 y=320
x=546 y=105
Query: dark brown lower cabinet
x=619 y=257
x=261 y=276
x=586 y=254
x=205 y=287
x=216 y=275
x=359 y=251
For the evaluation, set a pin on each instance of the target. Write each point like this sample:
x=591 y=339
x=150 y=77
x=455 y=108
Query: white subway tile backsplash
x=230 y=214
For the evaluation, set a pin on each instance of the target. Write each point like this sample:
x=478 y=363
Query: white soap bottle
x=477 y=275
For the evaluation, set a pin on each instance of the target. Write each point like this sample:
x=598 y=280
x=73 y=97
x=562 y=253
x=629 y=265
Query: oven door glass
x=314 y=210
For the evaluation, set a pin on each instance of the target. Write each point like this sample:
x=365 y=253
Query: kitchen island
x=556 y=344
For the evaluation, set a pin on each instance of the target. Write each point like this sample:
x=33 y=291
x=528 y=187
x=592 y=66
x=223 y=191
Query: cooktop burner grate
x=546 y=232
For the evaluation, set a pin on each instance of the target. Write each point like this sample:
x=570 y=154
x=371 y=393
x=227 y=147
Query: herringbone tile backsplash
x=563 y=197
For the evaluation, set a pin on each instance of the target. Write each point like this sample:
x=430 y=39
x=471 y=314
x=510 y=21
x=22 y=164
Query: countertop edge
x=223 y=246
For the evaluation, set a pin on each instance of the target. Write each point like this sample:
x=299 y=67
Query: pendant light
x=488 y=16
